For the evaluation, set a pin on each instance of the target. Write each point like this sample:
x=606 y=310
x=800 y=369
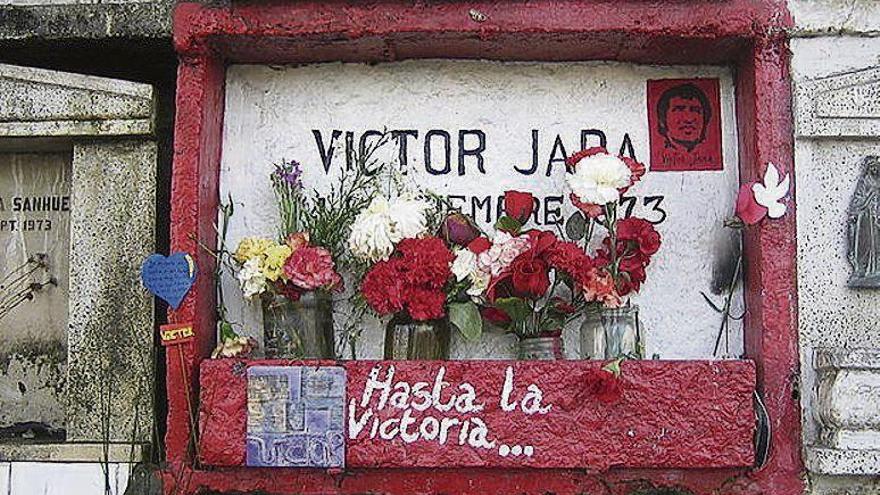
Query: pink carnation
x=311 y=268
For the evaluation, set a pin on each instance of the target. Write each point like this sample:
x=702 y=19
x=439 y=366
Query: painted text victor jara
x=433 y=411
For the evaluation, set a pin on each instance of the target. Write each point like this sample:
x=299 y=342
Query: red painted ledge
x=670 y=414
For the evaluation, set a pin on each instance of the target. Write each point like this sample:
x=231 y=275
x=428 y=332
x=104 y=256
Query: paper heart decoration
x=169 y=278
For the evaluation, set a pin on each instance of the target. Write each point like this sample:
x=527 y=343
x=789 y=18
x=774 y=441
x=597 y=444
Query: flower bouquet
x=530 y=282
x=409 y=276
x=597 y=180
x=296 y=276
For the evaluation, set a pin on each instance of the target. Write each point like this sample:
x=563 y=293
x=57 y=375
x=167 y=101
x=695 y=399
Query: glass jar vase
x=541 y=348
x=610 y=333
x=417 y=340
x=300 y=329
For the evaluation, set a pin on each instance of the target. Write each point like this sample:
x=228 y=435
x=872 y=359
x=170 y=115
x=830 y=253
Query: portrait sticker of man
x=684 y=116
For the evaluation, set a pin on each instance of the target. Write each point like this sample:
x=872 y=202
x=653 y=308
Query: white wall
x=270 y=114
x=43 y=478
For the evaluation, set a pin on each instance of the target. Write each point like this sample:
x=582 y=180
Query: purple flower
x=288 y=173
x=458 y=229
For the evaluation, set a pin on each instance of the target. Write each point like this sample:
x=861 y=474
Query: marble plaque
x=296 y=416
x=34 y=269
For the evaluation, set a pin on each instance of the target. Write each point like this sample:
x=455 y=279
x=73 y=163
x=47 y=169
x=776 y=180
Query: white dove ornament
x=771 y=192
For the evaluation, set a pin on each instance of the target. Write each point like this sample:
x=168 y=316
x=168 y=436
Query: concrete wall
x=836 y=79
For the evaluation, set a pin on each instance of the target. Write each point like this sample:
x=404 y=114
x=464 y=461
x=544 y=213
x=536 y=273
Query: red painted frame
x=747 y=34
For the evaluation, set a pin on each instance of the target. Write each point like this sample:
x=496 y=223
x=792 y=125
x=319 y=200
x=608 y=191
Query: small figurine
x=863 y=227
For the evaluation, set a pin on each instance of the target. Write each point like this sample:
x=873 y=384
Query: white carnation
x=251 y=278
x=464 y=265
x=479 y=283
x=596 y=179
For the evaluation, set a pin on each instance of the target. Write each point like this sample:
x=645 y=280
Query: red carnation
x=288 y=290
x=641 y=232
x=637 y=170
x=425 y=304
x=572 y=161
x=591 y=210
x=383 y=287
x=541 y=241
x=571 y=259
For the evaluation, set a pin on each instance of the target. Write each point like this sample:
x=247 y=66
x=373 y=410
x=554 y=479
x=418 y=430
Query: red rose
x=479 y=245
x=495 y=316
x=424 y=304
x=540 y=241
x=747 y=209
x=519 y=205
x=529 y=276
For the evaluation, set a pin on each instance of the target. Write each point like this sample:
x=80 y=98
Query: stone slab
x=843 y=462
x=72 y=452
x=110 y=342
x=119 y=20
x=834 y=17
x=842 y=358
x=670 y=414
x=842 y=105
x=38 y=103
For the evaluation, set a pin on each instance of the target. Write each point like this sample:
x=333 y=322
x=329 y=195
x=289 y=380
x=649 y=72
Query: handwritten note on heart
x=169 y=278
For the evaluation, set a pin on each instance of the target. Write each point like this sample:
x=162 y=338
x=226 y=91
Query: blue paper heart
x=169 y=278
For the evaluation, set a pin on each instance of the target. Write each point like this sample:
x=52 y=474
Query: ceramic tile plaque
x=295 y=416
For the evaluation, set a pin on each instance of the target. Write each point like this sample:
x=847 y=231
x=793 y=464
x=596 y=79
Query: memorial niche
x=469 y=145
x=34 y=240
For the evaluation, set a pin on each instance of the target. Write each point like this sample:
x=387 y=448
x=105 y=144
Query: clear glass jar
x=417 y=340
x=541 y=348
x=299 y=329
x=610 y=333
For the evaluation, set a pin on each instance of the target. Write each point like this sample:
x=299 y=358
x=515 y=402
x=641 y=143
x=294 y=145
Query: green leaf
x=516 y=308
x=508 y=224
x=226 y=331
x=466 y=318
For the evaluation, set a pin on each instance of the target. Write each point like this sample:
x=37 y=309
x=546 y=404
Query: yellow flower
x=276 y=255
x=251 y=247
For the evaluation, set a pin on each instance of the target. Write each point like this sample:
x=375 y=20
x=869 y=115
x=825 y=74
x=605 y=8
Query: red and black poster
x=684 y=116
